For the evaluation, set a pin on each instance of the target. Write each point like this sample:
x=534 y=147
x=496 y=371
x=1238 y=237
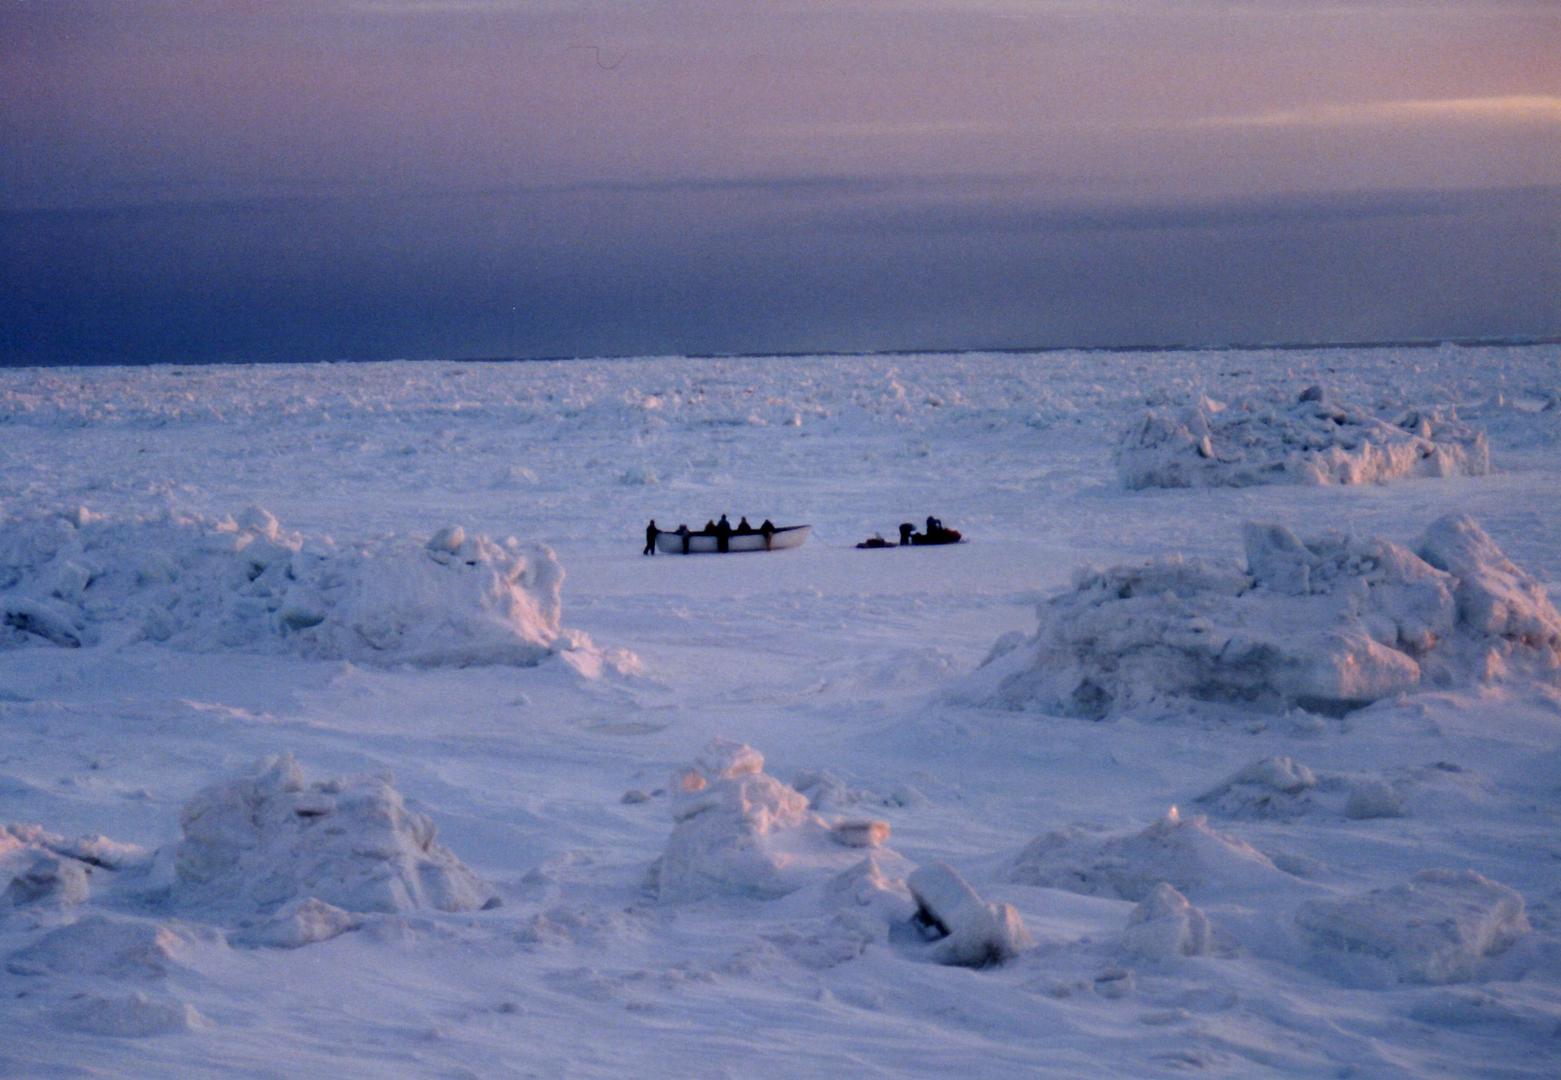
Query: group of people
x=722 y=530
x=935 y=533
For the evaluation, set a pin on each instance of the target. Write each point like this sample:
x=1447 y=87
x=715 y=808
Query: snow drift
x=1434 y=928
x=1329 y=623
x=198 y=584
x=1184 y=852
x=1280 y=788
x=257 y=843
x=1310 y=440
x=117 y=947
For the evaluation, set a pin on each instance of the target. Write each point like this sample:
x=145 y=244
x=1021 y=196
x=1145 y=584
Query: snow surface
x=1342 y=890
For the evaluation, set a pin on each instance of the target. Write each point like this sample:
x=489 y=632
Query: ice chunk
x=969 y=931
x=260 y=521
x=1435 y=928
x=448 y=540
x=260 y=841
x=95 y=851
x=739 y=831
x=1165 y=926
x=1494 y=597
x=870 y=885
x=1329 y=623
x=1311 y=439
x=1371 y=797
x=302 y=922
x=48 y=879
x=1270 y=787
x=47 y=619
x=725 y=759
x=248 y=584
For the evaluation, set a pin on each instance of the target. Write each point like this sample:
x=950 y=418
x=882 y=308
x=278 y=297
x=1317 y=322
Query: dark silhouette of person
x=768 y=532
x=650 y=538
x=743 y=528
x=685 y=534
x=934 y=527
x=709 y=527
x=723 y=534
x=906 y=529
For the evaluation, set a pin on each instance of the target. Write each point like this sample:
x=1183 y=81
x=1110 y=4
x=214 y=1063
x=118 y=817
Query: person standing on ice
x=650 y=538
x=767 y=530
x=723 y=534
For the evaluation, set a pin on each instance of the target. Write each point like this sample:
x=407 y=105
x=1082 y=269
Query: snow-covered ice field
x=205 y=568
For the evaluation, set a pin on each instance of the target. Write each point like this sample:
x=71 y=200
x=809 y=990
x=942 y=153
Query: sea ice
x=1329 y=623
x=1311 y=439
x=199 y=584
x=741 y=832
x=260 y=841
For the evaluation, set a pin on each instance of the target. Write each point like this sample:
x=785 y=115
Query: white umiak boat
x=787 y=536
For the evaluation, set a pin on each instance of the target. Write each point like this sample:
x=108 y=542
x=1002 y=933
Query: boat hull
x=670 y=543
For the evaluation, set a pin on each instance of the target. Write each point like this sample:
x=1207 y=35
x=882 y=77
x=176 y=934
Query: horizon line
x=1497 y=341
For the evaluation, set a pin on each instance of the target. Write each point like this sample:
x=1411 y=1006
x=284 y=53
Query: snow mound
x=1310 y=440
x=131 y=1016
x=1165 y=926
x=1184 y=852
x=40 y=868
x=741 y=832
x=1330 y=623
x=1282 y=789
x=1273 y=787
x=199 y=584
x=1434 y=928
x=967 y=930
x=100 y=945
x=259 y=842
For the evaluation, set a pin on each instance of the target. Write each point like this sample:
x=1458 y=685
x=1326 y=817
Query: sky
x=373 y=179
